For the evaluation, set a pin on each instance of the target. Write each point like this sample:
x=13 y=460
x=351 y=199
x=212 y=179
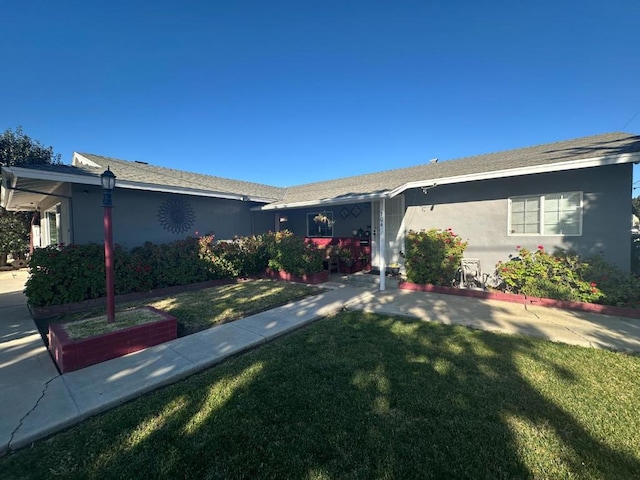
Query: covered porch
x=371 y=229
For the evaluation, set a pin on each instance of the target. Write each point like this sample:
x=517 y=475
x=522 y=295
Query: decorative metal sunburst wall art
x=176 y=215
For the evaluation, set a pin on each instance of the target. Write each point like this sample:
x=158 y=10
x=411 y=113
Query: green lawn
x=201 y=309
x=364 y=396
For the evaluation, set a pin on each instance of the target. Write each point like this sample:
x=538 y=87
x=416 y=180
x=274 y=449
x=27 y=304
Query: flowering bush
x=433 y=256
x=541 y=274
x=293 y=254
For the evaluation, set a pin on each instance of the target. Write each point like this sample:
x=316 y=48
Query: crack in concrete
x=24 y=417
x=532 y=313
x=564 y=327
x=577 y=335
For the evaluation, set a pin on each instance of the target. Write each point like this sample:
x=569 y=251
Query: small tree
x=13 y=235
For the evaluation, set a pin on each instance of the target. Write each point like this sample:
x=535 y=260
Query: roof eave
x=515 y=172
x=325 y=202
x=17 y=172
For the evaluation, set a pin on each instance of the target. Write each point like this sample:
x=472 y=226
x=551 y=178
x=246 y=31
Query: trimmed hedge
x=71 y=273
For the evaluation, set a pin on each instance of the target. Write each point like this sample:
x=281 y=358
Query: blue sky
x=289 y=92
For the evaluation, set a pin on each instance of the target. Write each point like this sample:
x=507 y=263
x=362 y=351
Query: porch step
x=370 y=279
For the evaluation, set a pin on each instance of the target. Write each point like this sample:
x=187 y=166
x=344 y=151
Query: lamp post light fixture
x=108 y=181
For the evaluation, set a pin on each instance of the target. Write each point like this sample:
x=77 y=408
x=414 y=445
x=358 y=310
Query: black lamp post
x=108 y=181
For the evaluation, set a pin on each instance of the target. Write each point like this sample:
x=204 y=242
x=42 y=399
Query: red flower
x=518 y=247
x=540 y=247
x=593 y=284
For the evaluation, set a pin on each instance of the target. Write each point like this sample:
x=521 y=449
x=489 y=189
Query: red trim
x=311 y=278
x=523 y=299
x=72 y=355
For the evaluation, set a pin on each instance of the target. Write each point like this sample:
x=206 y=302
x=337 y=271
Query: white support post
x=383 y=241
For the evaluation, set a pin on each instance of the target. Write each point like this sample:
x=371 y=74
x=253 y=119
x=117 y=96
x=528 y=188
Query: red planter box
x=516 y=298
x=72 y=355
x=312 y=278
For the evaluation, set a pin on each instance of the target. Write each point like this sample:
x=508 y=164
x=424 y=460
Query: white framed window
x=50 y=226
x=548 y=214
x=320 y=224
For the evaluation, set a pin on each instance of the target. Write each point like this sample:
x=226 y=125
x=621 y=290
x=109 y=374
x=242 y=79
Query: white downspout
x=383 y=241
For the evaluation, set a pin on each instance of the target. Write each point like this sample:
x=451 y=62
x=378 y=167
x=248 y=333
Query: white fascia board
x=6 y=194
x=331 y=201
x=515 y=172
x=20 y=172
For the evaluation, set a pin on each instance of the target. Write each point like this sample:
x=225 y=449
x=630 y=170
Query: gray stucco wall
x=135 y=216
x=478 y=211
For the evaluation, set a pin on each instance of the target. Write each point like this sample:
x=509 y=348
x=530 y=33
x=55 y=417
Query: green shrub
x=72 y=273
x=560 y=276
x=433 y=256
x=545 y=288
x=618 y=287
x=293 y=254
x=65 y=274
x=242 y=256
x=635 y=254
x=13 y=234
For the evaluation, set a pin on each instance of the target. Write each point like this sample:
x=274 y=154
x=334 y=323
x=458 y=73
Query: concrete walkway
x=37 y=401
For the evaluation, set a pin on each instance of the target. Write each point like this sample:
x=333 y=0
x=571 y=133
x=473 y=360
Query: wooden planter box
x=311 y=278
x=71 y=355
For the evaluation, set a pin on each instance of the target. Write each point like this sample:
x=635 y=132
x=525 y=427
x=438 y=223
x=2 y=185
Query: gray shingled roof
x=141 y=172
x=381 y=182
x=371 y=184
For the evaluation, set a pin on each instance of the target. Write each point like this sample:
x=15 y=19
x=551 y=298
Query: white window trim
x=541 y=218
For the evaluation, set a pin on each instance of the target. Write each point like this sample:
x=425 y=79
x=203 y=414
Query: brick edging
x=70 y=355
x=524 y=299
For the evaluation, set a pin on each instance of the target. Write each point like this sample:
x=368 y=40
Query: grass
x=362 y=396
x=201 y=309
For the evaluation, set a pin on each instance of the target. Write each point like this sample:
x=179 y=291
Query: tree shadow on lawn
x=355 y=396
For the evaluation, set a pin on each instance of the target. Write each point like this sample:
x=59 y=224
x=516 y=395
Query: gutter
x=515 y=172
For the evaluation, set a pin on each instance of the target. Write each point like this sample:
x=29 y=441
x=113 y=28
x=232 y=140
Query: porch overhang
x=23 y=188
x=20 y=193
x=324 y=202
